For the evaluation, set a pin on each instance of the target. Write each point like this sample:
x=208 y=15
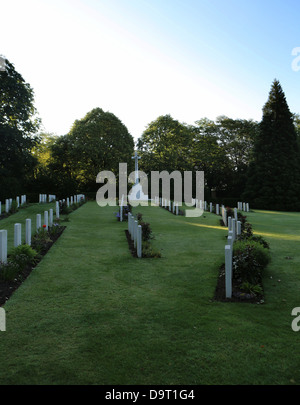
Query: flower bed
x=24 y=259
x=249 y=260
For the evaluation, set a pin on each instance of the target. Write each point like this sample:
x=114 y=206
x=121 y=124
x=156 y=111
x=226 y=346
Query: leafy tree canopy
x=18 y=126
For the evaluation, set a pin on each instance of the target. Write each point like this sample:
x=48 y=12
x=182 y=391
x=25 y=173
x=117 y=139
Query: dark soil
x=4 y=215
x=237 y=294
x=7 y=288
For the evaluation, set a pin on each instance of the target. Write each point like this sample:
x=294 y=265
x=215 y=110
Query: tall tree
x=209 y=155
x=236 y=137
x=18 y=126
x=274 y=174
x=165 y=145
x=99 y=141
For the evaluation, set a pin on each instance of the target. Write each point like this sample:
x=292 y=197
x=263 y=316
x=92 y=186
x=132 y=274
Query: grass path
x=92 y=314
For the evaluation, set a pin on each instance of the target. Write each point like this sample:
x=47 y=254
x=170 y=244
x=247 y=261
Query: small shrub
x=64 y=209
x=230 y=212
x=149 y=251
x=40 y=240
x=261 y=240
x=249 y=260
x=139 y=216
x=146 y=231
x=14 y=207
x=253 y=289
x=54 y=229
x=9 y=271
x=243 y=220
x=126 y=210
x=247 y=231
x=23 y=255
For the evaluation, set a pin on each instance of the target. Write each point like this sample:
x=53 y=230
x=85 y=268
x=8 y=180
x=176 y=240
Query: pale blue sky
x=143 y=58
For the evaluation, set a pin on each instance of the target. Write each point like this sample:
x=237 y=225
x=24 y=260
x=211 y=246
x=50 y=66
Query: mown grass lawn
x=90 y=313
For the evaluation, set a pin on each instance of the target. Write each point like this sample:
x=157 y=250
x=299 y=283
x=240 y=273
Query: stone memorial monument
x=136 y=194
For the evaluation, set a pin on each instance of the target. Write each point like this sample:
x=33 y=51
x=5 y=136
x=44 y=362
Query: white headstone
x=46 y=219
x=235 y=214
x=3 y=246
x=18 y=235
x=129 y=222
x=139 y=241
x=57 y=209
x=28 y=232
x=51 y=217
x=238 y=227
x=233 y=229
x=228 y=271
x=224 y=215
x=38 y=221
x=135 y=227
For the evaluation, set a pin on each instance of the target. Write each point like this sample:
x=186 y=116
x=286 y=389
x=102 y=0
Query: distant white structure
x=136 y=194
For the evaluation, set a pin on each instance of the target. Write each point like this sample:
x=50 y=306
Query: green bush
x=254 y=289
x=14 y=207
x=249 y=260
x=149 y=251
x=64 y=209
x=19 y=257
x=261 y=240
x=9 y=271
x=54 y=229
x=146 y=231
x=40 y=240
x=22 y=255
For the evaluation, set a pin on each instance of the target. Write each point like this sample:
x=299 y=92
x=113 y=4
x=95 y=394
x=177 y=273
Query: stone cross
x=136 y=167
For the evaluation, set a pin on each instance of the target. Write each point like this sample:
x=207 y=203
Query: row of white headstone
x=8 y=203
x=171 y=206
x=242 y=206
x=43 y=198
x=48 y=222
x=235 y=211
x=135 y=232
x=234 y=230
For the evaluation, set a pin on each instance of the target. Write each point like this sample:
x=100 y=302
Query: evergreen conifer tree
x=274 y=173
